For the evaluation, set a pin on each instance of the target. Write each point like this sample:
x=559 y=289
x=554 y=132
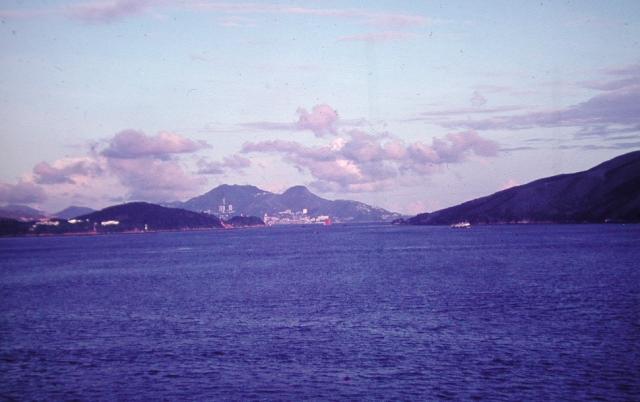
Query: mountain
x=251 y=200
x=241 y=197
x=137 y=215
x=72 y=212
x=21 y=212
x=609 y=192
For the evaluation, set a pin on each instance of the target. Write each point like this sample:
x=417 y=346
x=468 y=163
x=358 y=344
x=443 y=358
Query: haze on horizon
x=408 y=106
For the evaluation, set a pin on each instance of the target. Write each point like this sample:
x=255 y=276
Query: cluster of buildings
x=225 y=211
x=289 y=217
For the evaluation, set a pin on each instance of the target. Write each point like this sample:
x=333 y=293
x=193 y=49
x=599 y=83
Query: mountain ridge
x=607 y=192
x=251 y=200
x=21 y=212
x=147 y=216
x=73 y=211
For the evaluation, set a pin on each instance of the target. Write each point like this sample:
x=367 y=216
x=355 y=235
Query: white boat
x=461 y=225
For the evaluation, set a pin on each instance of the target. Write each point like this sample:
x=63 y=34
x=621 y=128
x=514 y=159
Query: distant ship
x=461 y=225
x=328 y=222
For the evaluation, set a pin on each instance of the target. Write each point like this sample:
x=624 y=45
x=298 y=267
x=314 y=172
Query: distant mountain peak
x=21 y=212
x=253 y=201
x=236 y=187
x=297 y=190
x=72 y=212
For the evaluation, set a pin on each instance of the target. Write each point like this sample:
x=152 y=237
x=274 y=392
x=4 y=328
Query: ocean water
x=337 y=312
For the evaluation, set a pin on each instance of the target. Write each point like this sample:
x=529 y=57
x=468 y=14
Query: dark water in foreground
x=340 y=312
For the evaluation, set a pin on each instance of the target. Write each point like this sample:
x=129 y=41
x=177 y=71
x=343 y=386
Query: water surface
x=340 y=312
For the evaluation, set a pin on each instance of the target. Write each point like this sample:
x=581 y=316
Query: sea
x=340 y=312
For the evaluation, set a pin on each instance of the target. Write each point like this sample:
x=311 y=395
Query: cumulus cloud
x=67 y=170
x=149 y=166
x=367 y=162
x=22 y=192
x=130 y=164
x=154 y=179
x=132 y=144
x=235 y=163
x=321 y=120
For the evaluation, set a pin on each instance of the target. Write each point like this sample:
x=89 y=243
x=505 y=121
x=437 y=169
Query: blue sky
x=412 y=106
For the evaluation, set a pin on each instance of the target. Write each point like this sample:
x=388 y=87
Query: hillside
x=135 y=215
x=20 y=212
x=72 y=212
x=609 y=192
x=241 y=197
x=253 y=201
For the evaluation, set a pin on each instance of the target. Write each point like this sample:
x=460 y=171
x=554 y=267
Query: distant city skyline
x=410 y=106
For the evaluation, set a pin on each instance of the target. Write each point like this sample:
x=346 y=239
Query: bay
x=311 y=312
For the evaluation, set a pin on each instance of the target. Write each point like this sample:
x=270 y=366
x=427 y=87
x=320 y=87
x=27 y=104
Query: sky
x=412 y=106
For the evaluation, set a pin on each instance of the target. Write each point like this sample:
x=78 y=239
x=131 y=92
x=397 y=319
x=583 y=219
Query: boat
x=461 y=225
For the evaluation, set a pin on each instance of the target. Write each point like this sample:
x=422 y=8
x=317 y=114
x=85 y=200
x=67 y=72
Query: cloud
x=358 y=15
x=65 y=170
x=154 y=179
x=454 y=146
x=612 y=85
x=149 y=166
x=627 y=70
x=367 y=162
x=467 y=110
x=388 y=36
x=107 y=11
x=612 y=111
x=594 y=147
x=22 y=192
x=604 y=130
x=132 y=144
x=110 y=11
x=130 y=165
x=233 y=162
x=616 y=78
x=321 y=120
x=616 y=108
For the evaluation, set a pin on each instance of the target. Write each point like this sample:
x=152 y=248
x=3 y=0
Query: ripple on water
x=357 y=312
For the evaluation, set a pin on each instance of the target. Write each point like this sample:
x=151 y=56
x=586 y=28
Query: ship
x=461 y=225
